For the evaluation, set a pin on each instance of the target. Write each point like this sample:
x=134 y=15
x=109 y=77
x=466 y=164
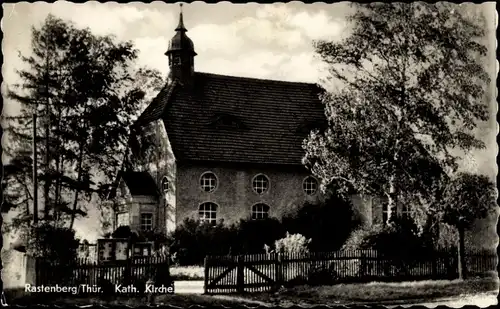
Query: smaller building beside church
x=220 y=148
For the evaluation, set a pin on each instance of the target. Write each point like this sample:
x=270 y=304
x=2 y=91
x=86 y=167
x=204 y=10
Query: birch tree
x=412 y=88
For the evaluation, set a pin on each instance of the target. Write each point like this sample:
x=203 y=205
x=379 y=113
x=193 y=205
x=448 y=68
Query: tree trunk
x=80 y=166
x=462 y=269
x=75 y=201
x=46 y=185
x=390 y=199
x=59 y=167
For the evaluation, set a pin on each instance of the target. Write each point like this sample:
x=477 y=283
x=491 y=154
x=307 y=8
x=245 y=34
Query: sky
x=272 y=41
x=254 y=40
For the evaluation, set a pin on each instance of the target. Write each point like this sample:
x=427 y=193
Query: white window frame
x=141 y=224
x=260 y=211
x=164 y=181
x=307 y=185
x=208 y=215
x=257 y=184
x=406 y=211
x=207 y=183
x=118 y=221
x=385 y=213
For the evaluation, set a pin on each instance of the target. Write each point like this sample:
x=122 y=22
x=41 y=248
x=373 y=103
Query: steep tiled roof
x=263 y=121
x=157 y=106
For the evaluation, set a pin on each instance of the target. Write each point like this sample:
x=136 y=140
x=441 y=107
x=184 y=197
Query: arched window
x=310 y=185
x=208 y=212
x=260 y=211
x=165 y=185
x=208 y=182
x=260 y=184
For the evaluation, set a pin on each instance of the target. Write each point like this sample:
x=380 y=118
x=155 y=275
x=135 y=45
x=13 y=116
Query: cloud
x=313 y=24
x=318 y=25
x=105 y=18
x=303 y=67
x=222 y=39
x=152 y=51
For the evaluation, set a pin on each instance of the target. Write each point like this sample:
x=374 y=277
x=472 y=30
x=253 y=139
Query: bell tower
x=181 y=54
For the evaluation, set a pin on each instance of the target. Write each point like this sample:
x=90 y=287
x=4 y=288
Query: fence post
x=205 y=285
x=240 y=276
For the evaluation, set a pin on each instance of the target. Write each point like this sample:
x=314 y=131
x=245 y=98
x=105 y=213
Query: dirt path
x=188 y=287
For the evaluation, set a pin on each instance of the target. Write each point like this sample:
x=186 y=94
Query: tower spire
x=181 y=54
x=180 y=26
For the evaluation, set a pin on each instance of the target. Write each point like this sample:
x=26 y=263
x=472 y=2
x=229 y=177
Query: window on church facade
x=310 y=185
x=385 y=213
x=176 y=60
x=208 y=182
x=260 y=211
x=122 y=219
x=208 y=213
x=165 y=185
x=146 y=221
x=406 y=211
x=260 y=184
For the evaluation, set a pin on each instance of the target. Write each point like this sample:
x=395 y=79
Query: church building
x=219 y=148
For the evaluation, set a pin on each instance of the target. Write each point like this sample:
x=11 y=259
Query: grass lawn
x=375 y=292
x=187 y=273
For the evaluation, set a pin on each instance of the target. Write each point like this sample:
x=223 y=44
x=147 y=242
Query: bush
x=358 y=240
x=52 y=243
x=328 y=224
x=124 y=232
x=292 y=244
x=252 y=235
x=323 y=275
x=401 y=239
x=193 y=240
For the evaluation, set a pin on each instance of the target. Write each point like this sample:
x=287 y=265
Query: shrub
x=193 y=240
x=292 y=244
x=358 y=240
x=124 y=232
x=401 y=239
x=53 y=243
x=322 y=275
x=328 y=224
x=252 y=235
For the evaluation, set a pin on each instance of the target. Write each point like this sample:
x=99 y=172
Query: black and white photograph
x=221 y=154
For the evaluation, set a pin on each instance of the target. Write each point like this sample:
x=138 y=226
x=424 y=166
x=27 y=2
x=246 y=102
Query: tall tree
x=411 y=89
x=467 y=197
x=87 y=90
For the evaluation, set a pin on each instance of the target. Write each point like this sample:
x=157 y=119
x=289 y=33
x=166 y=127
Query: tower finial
x=180 y=26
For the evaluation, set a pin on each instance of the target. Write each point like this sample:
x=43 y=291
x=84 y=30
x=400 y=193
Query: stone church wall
x=234 y=194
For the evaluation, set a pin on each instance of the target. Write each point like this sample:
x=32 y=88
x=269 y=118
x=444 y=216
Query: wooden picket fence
x=480 y=263
x=264 y=272
x=92 y=273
